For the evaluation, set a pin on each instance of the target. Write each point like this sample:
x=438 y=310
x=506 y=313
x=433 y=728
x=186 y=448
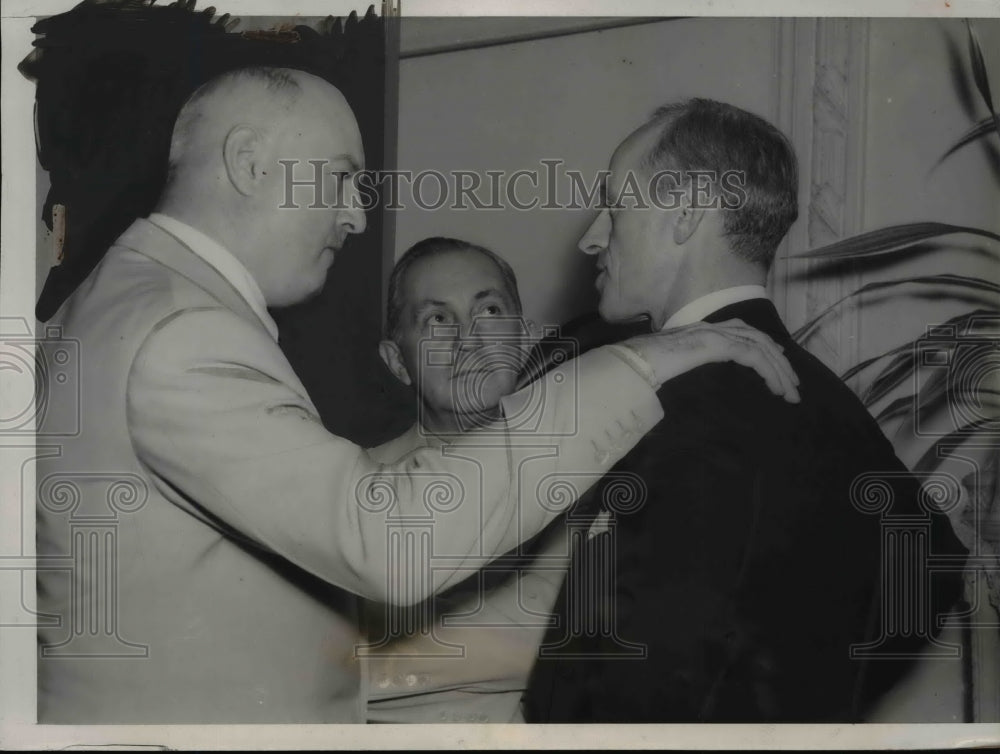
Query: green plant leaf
x=979 y=73
x=944 y=281
x=887 y=240
x=930 y=459
x=984 y=127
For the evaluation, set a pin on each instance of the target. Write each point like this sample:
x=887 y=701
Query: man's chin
x=617 y=312
x=614 y=314
x=468 y=419
x=309 y=294
x=477 y=407
x=294 y=297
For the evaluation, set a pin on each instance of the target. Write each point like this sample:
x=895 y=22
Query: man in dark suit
x=734 y=585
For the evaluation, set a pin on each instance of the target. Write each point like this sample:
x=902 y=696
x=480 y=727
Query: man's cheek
x=499 y=384
x=445 y=389
x=505 y=381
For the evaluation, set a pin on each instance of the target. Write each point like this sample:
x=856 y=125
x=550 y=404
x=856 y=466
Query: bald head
x=262 y=160
x=261 y=97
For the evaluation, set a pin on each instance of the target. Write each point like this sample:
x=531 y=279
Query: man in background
x=457 y=336
x=740 y=585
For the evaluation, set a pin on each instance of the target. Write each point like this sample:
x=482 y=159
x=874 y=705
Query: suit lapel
x=150 y=240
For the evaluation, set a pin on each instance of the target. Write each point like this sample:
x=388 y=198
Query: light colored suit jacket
x=465 y=656
x=202 y=537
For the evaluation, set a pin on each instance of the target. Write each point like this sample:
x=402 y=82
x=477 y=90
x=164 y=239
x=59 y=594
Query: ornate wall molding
x=822 y=103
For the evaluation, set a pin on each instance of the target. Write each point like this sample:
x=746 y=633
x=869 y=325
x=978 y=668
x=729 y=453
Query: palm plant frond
x=979 y=74
x=960 y=324
x=901 y=367
x=945 y=281
x=986 y=126
x=930 y=402
x=888 y=240
x=946 y=445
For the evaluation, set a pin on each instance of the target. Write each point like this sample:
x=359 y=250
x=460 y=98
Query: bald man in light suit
x=224 y=591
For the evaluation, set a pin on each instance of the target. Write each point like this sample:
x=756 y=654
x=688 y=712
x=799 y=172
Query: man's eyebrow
x=487 y=292
x=611 y=203
x=428 y=303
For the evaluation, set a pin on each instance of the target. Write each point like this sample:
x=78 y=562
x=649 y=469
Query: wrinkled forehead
x=456 y=276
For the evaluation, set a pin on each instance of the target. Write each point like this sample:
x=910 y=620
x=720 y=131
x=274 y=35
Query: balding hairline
x=427 y=249
x=277 y=90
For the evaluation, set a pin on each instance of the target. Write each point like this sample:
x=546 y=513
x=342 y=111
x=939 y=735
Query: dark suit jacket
x=748 y=573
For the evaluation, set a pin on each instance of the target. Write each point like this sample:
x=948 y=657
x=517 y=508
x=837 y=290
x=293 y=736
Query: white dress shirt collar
x=223 y=262
x=697 y=310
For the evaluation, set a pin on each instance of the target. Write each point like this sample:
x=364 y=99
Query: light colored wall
x=572 y=98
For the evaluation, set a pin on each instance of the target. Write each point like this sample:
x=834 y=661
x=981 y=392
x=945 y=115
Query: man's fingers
x=785 y=374
x=754 y=358
x=771 y=349
x=768 y=367
x=677 y=351
x=782 y=369
x=782 y=366
x=755 y=349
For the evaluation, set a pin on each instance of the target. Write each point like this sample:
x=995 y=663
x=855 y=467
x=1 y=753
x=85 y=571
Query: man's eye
x=606 y=202
x=492 y=310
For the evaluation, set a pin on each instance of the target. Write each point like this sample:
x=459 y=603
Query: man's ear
x=686 y=222
x=393 y=359
x=241 y=154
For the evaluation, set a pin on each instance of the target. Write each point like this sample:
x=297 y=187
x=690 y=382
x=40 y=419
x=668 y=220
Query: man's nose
x=469 y=337
x=353 y=220
x=352 y=216
x=595 y=240
x=479 y=332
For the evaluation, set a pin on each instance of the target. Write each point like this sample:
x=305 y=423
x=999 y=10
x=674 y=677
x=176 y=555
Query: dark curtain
x=111 y=77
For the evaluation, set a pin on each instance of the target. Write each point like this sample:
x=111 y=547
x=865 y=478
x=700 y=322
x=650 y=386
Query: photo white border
x=17 y=299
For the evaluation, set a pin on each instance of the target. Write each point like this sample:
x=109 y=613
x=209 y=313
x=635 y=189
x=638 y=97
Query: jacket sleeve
x=500 y=639
x=226 y=431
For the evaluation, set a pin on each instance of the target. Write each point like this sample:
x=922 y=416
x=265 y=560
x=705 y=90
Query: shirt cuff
x=637 y=362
